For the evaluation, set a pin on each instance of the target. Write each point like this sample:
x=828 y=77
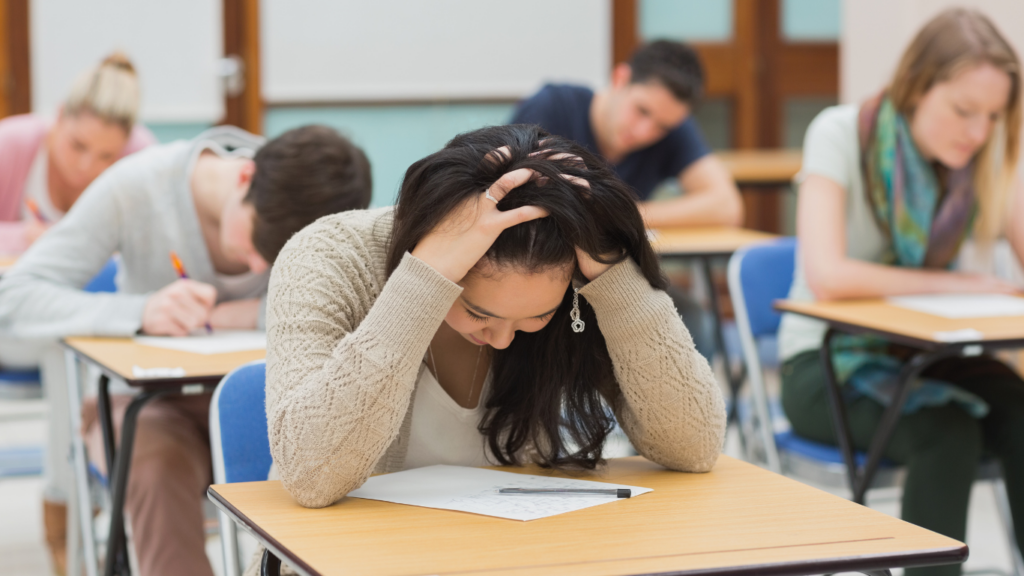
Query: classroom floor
x=24 y=553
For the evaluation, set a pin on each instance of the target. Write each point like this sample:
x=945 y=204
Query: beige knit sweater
x=346 y=347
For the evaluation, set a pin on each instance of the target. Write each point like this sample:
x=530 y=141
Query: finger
x=203 y=293
x=522 y=214
x=510 y=180
x=576 y=180
x=499 y=156
x=188 y=308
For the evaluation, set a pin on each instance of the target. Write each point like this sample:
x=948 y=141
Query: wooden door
x=15 y=82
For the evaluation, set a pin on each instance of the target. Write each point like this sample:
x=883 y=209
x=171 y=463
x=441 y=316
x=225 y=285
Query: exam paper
x=962 y=305
x=220 y=342
x=475 y=490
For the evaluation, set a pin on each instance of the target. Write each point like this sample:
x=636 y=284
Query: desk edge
x=265 y=539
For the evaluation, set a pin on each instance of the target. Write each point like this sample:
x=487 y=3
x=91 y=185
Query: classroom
x=573 y=287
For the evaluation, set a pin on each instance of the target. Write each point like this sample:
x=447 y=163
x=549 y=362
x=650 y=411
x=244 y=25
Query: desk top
x=737 y=519
x=705 y=240
x=762 y=167
x=117 y=356
x=876 y=316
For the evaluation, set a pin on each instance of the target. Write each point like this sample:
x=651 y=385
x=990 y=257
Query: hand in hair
x=464 y=236
x=178 y=308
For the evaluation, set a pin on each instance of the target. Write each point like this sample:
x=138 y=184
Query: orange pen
x=34 y=209
x=180 y=269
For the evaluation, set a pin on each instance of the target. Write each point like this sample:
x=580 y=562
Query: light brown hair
x=110 y=91
x=950 y=43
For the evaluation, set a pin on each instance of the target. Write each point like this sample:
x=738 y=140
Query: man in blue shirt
x=641 y=124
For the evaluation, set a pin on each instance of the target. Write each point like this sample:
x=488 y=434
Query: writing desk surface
x=762 y=166
x=878 y=316
x=117 y=356
x=705 y=240
x=737 y=519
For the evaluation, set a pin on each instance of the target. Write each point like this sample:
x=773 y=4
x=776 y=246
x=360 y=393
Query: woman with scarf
x=889 y=190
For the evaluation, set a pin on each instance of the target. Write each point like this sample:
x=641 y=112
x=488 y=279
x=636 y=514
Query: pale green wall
x=393 y=137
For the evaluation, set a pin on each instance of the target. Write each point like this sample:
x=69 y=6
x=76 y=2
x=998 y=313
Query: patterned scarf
x=925 y=213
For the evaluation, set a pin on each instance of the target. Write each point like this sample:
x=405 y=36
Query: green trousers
x=941 y=447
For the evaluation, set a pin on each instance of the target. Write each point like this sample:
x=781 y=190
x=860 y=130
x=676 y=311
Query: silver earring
x=577 y=324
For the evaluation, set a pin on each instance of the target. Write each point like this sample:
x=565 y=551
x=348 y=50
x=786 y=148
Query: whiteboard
x=359 y=50
x=175 y=47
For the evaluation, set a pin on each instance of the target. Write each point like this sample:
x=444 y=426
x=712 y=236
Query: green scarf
x=925 y=212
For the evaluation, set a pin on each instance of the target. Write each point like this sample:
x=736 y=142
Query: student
x=938 y=148
x=226 y=213
x=642 y=124
x=45 y=165
x=444 y=331
x=50 y=163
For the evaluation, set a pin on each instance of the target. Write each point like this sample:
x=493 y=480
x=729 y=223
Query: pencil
x=34 y=209
x=617 y=492
x=180 y=269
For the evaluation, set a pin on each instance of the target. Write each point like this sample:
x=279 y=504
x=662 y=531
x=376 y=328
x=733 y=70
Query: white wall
x=875 y=33
x=174 y=45
x=338 y=50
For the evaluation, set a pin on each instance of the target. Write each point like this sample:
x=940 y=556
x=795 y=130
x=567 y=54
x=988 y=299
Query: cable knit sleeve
x=343 y=352
x=671 y=406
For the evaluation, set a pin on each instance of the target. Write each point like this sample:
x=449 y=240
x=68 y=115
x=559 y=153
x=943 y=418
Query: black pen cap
x=623 y=493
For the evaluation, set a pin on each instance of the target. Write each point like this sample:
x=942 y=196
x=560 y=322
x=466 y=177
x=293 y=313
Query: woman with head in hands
x=508 y=310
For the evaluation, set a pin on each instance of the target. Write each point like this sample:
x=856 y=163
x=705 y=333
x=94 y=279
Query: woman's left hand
x=588 y=266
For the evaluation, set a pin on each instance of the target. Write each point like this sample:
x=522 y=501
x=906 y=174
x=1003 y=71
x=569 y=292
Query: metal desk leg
x=735 y=381
x=270 y=565
x=106 y=420
x=116 y=549
x=82 y=496
x=860 y=479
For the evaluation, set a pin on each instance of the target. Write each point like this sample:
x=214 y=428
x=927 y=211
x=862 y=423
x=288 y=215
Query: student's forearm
x=671 y=406
x=693 y=210
x=849 y=278
x=336 y=399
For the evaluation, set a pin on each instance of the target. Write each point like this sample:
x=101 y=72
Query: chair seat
x=20 y=384
x=790 y=442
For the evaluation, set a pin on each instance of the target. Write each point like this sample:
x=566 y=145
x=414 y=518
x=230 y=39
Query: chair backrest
x=238 y=426
x=759 y=275
x=765 y=275
x=105 y=280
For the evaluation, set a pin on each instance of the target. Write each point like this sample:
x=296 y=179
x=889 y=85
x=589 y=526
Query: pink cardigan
x=20 y=139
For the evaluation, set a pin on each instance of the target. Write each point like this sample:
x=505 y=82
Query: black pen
x=616 y=492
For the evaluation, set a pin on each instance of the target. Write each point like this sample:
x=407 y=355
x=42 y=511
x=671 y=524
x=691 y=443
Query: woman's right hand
x=465 y=234
x=978 y=284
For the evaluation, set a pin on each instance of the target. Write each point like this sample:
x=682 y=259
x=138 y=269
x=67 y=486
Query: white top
x=37 y=188
x=832 y=150
x=442 y=431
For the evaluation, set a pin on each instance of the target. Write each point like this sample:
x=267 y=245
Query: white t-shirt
x=832 y=150
x=37 y=188
x=444 y=432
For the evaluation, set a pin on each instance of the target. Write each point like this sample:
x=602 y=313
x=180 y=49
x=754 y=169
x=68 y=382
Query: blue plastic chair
x=759 y=275
x=238 y=442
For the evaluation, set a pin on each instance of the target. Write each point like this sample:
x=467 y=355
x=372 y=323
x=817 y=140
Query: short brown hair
x=302 y=175
x=951 y=42
x=674 y=65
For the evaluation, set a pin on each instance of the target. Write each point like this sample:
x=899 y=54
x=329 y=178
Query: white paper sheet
x=962 y=305
x=475 y=490
x=220 y=342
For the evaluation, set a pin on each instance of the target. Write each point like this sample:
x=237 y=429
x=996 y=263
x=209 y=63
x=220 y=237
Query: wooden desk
x=704 y=244
x=917 y=329
x=705 y=241
x=762 y=168
x=737 y=519
x=115 y=358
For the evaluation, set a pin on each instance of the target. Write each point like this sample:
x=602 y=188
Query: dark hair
x=548 y=385
x=674 y=65
x=302 y=175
